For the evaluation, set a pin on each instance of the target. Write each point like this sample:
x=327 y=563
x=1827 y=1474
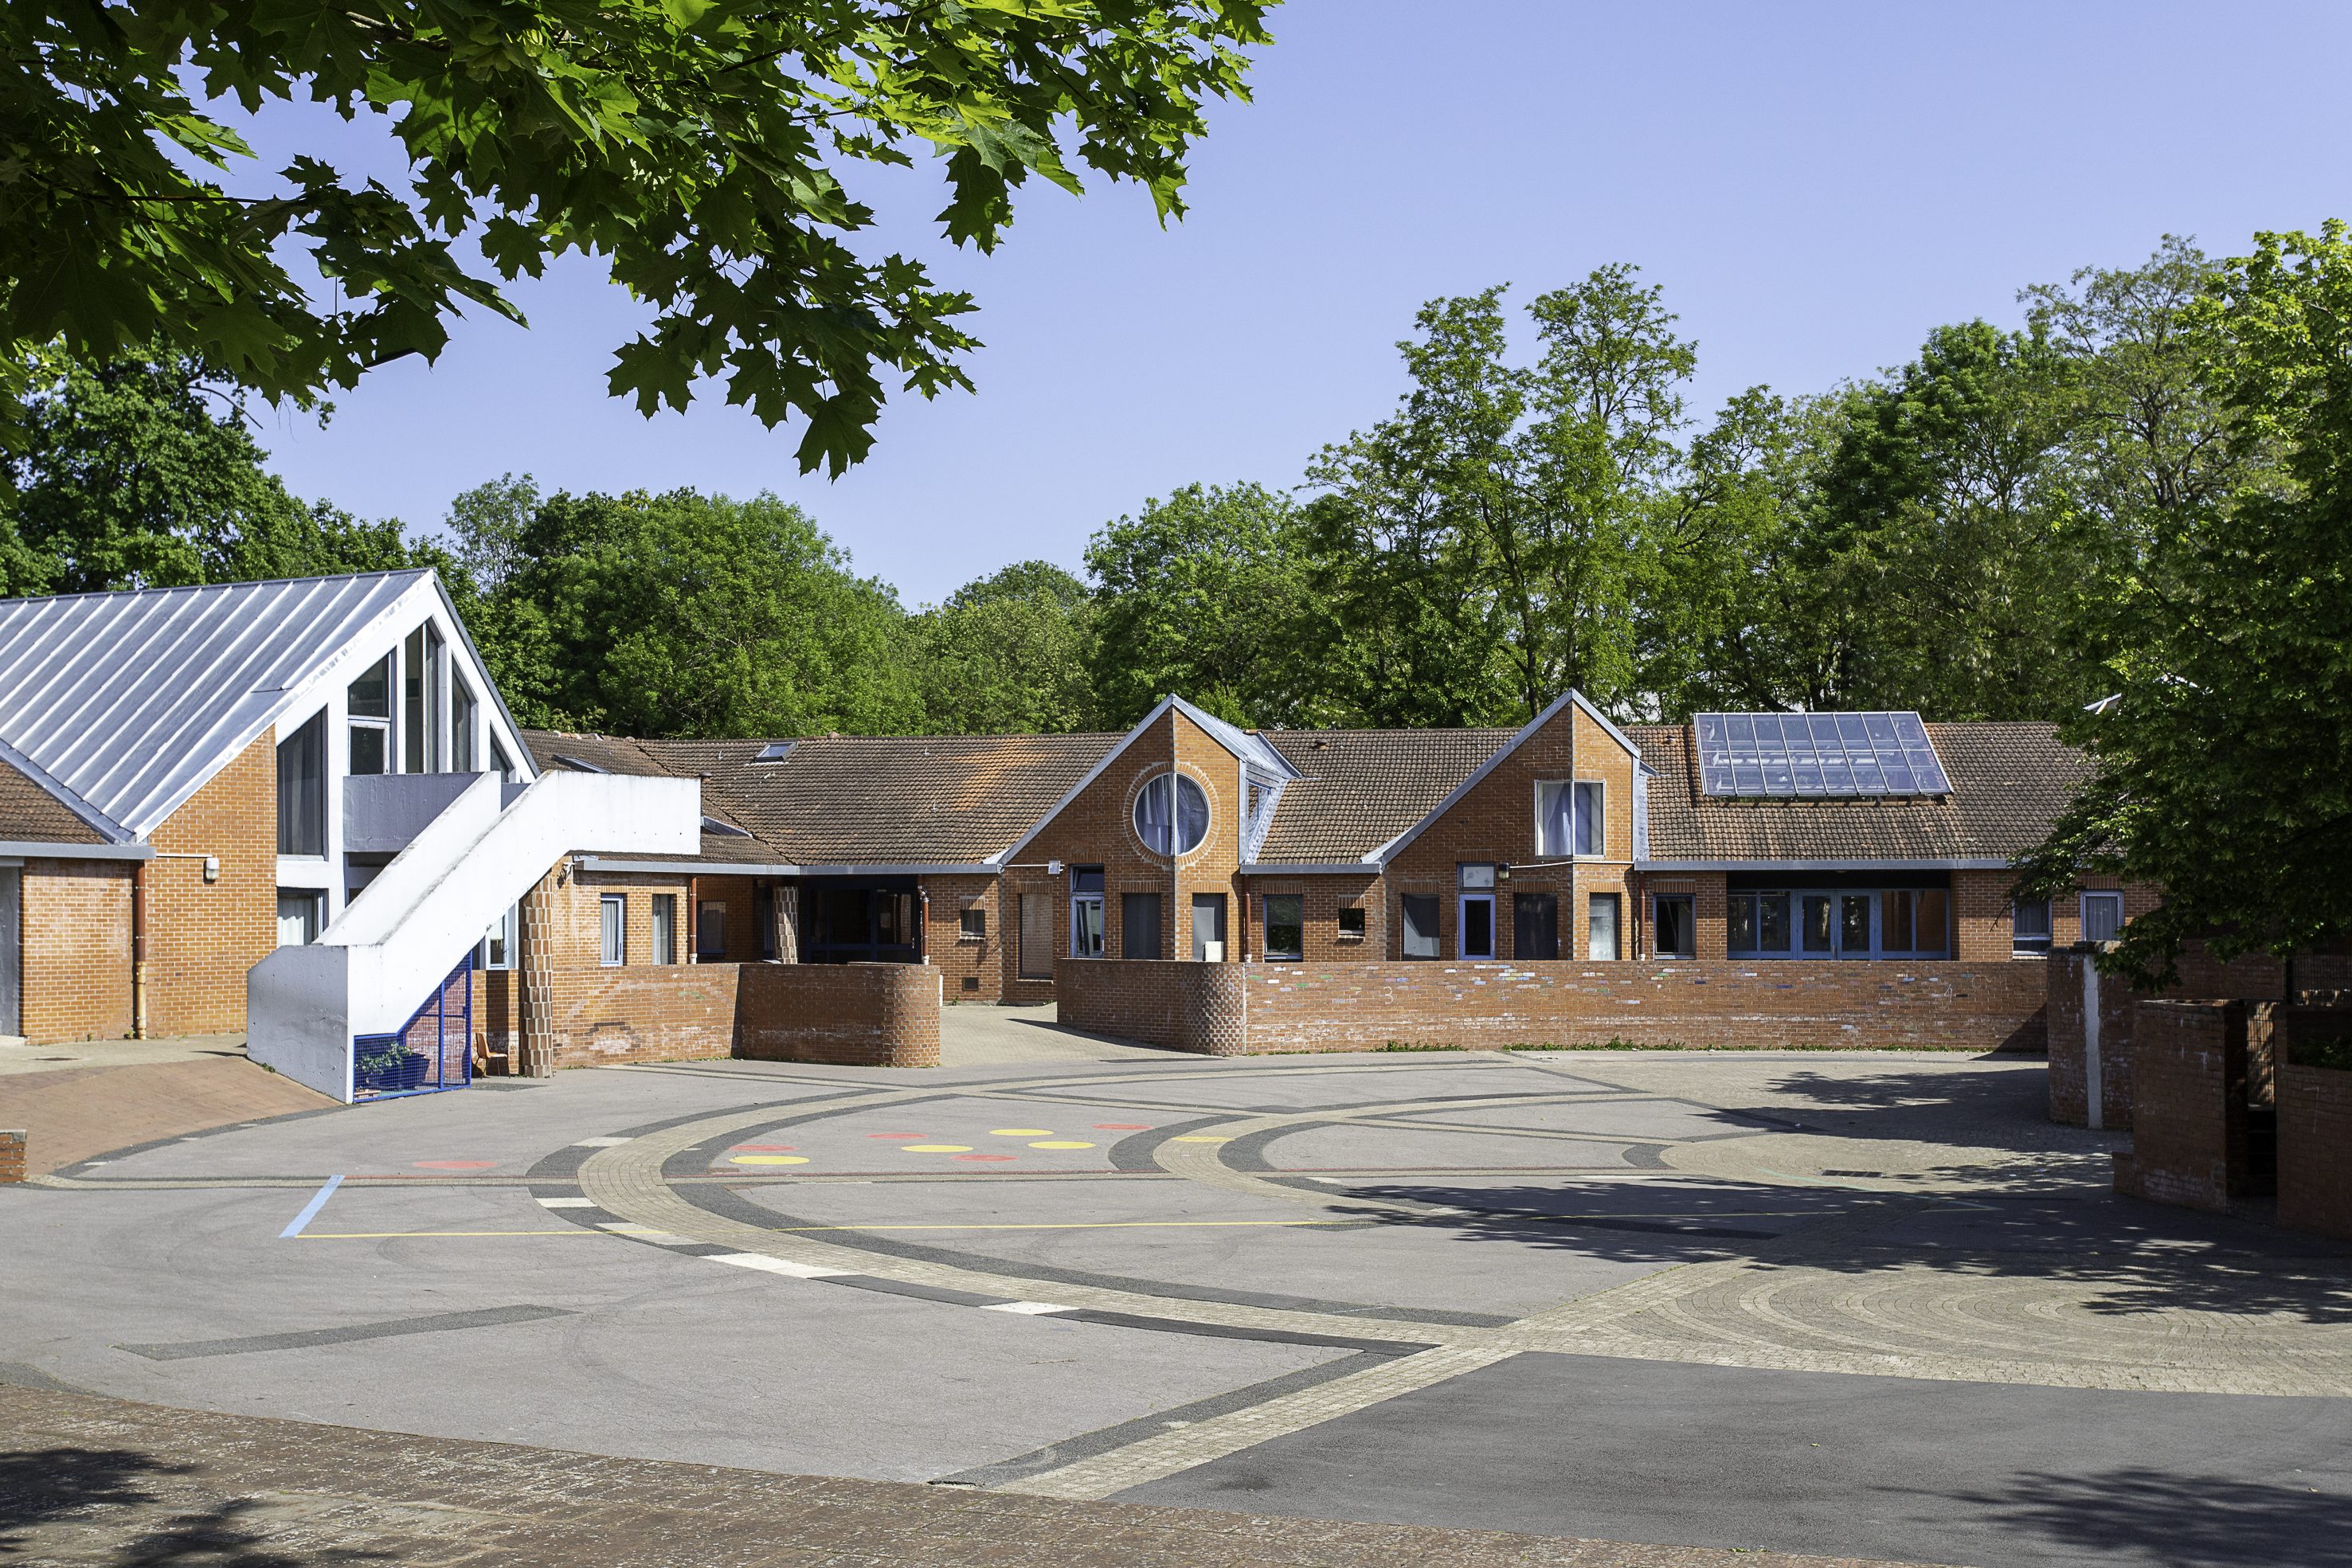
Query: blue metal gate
x=432 y=1052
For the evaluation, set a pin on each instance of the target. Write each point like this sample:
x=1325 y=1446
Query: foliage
x=2223 y=773
x=1515 y=498
x=684 y=614
x=1007 y=655
x=1203 y=595
x=696 y=146
x=143 y=472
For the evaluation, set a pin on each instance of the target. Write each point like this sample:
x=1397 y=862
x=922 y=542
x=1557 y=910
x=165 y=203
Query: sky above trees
x=1814 y=188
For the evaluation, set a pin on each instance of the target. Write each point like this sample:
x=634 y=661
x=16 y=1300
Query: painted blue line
x=311 y=1210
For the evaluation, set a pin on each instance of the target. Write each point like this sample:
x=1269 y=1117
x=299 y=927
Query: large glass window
x=1589 y=835
x=1285 y=926
x=1676 y=928
x=463 y=710
x=1816 y=932
x=1420 y=911
x=1602 y=918
x=2029 y=924
x=1171 y=815
x=1756 y=923
x=1535 y=925
x=426 y=699
x=1555 y=818
x=302 y=789
x=1138 y=924
x=369 y=702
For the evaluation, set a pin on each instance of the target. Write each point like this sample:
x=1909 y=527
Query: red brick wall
x=971 y=969
x=1793 y=1005
x=2314 y=1120
x=11 y=1156
x=739 y=897
x=202 y=936
x=76 y=964
x=848 y=1015
x=1323 y=897
x=2188 y=1117
x=2069 y=1052
x=1185 y=1006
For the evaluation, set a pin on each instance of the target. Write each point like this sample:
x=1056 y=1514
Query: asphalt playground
x=1861 y=1304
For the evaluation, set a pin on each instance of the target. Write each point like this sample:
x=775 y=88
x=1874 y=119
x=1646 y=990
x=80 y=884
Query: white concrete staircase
x=400 y=938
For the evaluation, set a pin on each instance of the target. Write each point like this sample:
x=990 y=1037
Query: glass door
x=1853 y=925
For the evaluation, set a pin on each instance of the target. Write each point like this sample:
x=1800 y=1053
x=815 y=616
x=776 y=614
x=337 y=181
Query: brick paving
x=73 y=1113
x=86 y=1480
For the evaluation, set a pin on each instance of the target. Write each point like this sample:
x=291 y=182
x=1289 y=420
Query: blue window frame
x=1839 y=923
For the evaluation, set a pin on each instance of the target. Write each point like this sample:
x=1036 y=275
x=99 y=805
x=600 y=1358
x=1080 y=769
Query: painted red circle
x=988 y=1156
x=455 y=1164
x=1122 y=1126
x=761 y=1148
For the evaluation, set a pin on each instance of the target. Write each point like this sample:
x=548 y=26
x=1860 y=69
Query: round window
x=1171 y=826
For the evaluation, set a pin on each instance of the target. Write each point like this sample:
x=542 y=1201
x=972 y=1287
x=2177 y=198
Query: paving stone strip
x=88 y=1481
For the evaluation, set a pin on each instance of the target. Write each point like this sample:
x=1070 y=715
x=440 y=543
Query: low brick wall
x=644 y=1012
x=2315 y=1119
x=847 y=1015
x=1176 y=1003
x=2189 y=1126
x=1356 y=1007
x=11 y=1156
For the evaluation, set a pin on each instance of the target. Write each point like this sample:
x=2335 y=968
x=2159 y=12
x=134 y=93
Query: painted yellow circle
x=1198 y=1139
x=1061 y=1144
x=1021 y=1131
x=936 y=1148
x=769 y=1160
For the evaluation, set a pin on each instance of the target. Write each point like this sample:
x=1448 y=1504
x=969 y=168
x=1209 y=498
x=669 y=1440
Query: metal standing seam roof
x=131 y=700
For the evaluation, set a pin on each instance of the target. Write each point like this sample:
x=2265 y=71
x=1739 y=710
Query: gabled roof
x=1519 y=737
x=31 y=810
x=2008 y=783
x=129 y=701
x=1359 y=788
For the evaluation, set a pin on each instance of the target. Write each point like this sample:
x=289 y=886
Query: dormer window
x=1171 y=815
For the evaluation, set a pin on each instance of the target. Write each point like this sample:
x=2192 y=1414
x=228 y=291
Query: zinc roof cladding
x=131 y=700
x=1359 y=788
x=2008 y=783
x=944 y=799
x=31 y=814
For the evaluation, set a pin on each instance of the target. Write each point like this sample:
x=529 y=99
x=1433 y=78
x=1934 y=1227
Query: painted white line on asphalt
x=784 y=1265
x=1027 y=1309
x=641 y=1232
x=602 y=1142
x=567 y=1202
x=311 y=1210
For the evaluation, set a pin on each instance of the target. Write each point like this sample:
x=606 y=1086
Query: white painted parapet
x=372 y=968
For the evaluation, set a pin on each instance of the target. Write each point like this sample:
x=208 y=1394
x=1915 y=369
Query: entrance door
x=1535 y=925
x=1853 y=926
x=1477 y=927
x=12 y=977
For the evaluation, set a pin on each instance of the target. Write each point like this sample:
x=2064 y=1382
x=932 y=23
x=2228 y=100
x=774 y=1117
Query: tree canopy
x=700 y=149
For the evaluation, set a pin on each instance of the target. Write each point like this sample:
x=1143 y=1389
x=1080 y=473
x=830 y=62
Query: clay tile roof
x=890 y=801
x=31 y=814
x=2008 y=783
x=1364 y=787
x=557 y=750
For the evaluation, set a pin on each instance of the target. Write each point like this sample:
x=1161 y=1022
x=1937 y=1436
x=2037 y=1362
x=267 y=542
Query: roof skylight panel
x=1783 y=756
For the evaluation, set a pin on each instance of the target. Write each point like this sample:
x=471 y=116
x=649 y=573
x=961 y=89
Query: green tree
x=1525 y=494
x=697 y=147
x=690 y=615
x=2223 y=773
x=1007 y=655
x=1202 y=595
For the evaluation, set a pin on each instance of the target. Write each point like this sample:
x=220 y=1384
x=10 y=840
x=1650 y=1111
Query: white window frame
x=661 y=925
x=1549 y=794
x=314 y=919
x=502 y=932
x=1615 y=901
x=2104 y=895
x=1078 y=901
x=1599 y=788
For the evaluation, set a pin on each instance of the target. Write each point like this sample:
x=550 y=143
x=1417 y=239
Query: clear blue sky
x=1815 y=185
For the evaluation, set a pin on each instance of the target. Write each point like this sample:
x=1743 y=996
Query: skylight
x=774 y=751
x=1817 y=755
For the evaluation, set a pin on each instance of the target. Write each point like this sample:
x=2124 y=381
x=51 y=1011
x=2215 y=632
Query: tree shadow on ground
x=2139 y=1515
x=101 y=1498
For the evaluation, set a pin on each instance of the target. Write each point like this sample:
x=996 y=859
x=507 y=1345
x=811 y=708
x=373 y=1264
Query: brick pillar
x=11 y=1157
x=535 y=979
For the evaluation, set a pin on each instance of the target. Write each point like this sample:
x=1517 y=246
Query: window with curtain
x=612 y=926
x=1171 y=815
